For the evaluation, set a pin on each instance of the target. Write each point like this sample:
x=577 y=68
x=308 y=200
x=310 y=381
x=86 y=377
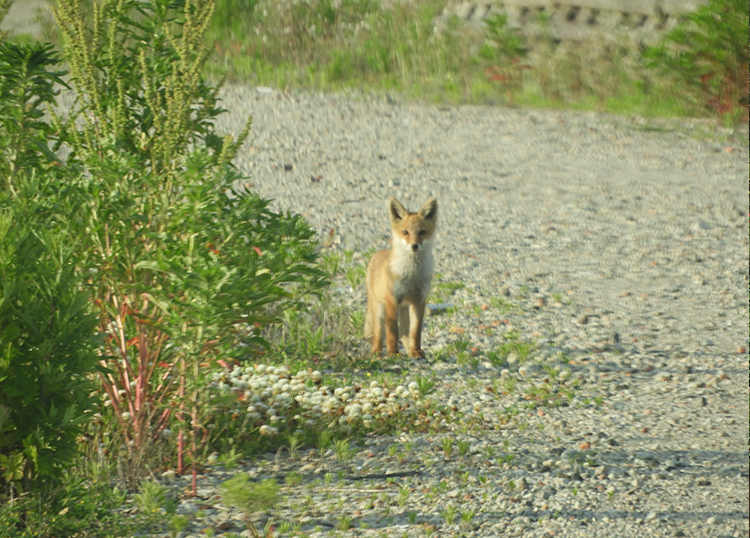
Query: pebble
x=584 y=235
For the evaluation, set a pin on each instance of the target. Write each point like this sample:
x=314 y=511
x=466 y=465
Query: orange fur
x=398 y=280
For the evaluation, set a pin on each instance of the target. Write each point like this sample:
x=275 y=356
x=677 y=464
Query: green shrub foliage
x=708 y=54
x=48 y=333
x=47 y=351
x=27 y=85
x=184 y=266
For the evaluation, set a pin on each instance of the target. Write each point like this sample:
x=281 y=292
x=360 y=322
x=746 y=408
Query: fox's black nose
x=415 y=247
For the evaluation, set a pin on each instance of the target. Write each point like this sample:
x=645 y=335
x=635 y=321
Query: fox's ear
x=396 y=210
x=429 y=210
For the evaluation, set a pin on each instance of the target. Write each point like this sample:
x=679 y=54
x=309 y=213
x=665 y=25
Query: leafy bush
x=708 y=55
x=75 y=508
x=47 y=331
x=184 y=266
x=47 y=351
x=26 y=87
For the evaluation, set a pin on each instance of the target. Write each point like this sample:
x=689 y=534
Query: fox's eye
x=422 y=232
x=405 y=232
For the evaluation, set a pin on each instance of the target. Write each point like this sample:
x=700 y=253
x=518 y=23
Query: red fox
x=398 y=280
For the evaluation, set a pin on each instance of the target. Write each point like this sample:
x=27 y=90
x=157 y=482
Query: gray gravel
x=620 y=251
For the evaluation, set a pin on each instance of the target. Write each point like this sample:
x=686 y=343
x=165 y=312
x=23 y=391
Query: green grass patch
x=363 y=44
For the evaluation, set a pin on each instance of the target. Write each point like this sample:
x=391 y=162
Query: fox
x=398 y=281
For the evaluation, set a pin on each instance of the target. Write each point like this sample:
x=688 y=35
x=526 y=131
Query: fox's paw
x=416 y=354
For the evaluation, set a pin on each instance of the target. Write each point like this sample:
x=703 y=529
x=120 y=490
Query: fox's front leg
x=391 y=327
x=375 y=322
x=416 y=313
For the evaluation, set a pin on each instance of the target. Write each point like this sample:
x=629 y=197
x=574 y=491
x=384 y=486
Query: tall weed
x=184 y=267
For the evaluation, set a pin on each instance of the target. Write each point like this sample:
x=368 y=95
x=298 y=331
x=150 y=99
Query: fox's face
x=412 y=231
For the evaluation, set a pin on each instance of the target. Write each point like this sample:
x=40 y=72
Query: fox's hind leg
x=404 y=326
x=367 y=333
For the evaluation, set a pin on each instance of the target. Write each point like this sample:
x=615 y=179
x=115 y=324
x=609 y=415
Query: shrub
x=47 y=351
x=26 y=87
x=708 y=55
x=48 y=335
x=75 y=508
x=184 y=266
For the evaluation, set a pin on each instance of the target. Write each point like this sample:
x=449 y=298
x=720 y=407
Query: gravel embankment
x=626 y=253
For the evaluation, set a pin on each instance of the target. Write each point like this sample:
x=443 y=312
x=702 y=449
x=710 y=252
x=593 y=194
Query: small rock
x=169 y=476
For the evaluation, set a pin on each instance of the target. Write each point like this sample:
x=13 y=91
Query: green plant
x=293 y=479
x=505 y=49
x=47 y=339
x=708 y=54
x=74 y=507
x=249 y=497
x=177 y=524
x=152 y=501
x=403 y=495
x=184 y=266
x=449 y=514
x=294 y=441
x=27 y=87
x=48 y=348
x=447 y=446
x=345 y=523
x=343 y=452
x=425 y=386
x=464 y=447
x=355 y=275
x=229 y=460
x=467 y=516
x=331 y=264
x=324 y=441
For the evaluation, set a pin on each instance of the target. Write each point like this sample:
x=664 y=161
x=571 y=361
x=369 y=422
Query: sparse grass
x=250 y=498
x=449 y=514
x=319 y=45
x=447 y=447
x=442 y=291
x=230 y=459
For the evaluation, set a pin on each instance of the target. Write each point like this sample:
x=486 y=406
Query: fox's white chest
x=413 y=273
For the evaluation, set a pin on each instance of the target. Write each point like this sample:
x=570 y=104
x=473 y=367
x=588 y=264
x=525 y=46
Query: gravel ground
x=620 y=251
